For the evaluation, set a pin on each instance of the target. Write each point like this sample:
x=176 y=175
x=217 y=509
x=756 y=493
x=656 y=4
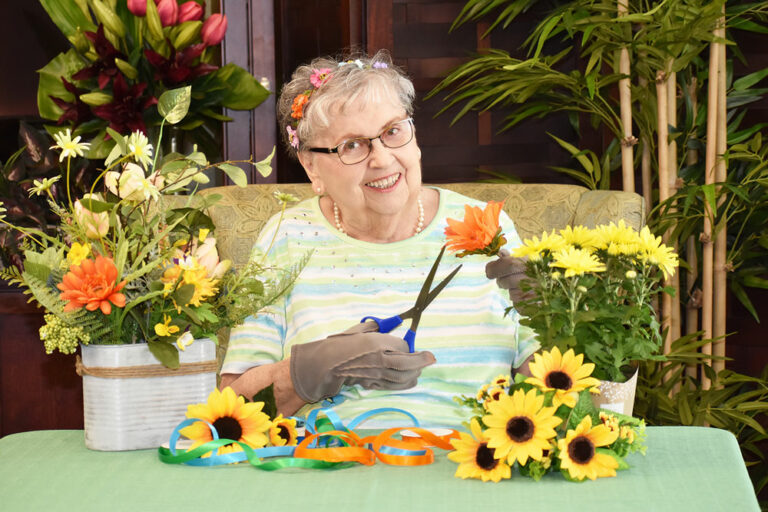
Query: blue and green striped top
x=347 y=279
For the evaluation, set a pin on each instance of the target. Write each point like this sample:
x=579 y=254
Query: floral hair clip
x=317 y=79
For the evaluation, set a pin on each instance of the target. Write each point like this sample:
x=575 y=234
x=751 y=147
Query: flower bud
x=79 y=41
x=108 y=18
x=221 y=269
x=190 y=11
x=214 y=29
x=138 y=7
x=128 y=70
x=187 y=33
x=581 y=288
x=154 y=25
x=207 y=255
x=96 y=99
x=168 y=10
x=631 y=274
x=96 y=225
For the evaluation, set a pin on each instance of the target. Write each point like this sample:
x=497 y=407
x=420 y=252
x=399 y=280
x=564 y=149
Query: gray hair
x=354 y=77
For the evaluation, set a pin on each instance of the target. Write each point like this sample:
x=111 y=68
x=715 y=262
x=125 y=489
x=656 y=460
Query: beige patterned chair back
x=534 y=208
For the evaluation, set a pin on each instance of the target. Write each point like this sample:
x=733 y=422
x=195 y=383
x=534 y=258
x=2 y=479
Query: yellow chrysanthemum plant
x=544 y=424
x=136 y=258
x=591 y=290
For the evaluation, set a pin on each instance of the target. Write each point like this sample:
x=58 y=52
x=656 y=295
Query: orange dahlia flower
x=478 y=233
x=297 y=108
x=92 y=284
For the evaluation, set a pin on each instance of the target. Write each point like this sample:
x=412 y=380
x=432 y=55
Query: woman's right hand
x=357 y=356
x=508 y=271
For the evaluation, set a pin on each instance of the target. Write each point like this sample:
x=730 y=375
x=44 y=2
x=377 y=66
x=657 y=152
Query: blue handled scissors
x=422 y=301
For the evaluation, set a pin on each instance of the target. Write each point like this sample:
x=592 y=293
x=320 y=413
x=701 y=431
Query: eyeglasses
x=356 y=150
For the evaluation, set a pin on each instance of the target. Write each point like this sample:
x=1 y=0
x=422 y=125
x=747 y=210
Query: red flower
x=138 y=7
x=190 y=11
x=92 y=284
x=77 y=112
x=105 y=68
x=126 y=112
x=178 y=67
x=168 y=11
x=214 y=29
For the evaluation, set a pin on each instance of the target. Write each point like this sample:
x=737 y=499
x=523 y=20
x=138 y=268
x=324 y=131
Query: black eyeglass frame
x=369 y=139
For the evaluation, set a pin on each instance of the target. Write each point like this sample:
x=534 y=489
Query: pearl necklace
x=416 y=231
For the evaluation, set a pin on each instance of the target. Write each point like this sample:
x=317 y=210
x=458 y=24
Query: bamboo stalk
x=707 y=249
x=625 y=98
x=645 y=160
x=674 y=312
x=692 y=305
x=720 y=286
x=663 y=158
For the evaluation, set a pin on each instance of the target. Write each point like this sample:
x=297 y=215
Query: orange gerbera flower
x=297 y=109
x=478 y=233
x=92 y=284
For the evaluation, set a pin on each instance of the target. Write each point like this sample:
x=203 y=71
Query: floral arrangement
x=125 y=54
x=590 y=290
x=135 y=261
x=543 y=424
x=238 y=420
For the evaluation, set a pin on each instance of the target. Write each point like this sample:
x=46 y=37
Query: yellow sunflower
x=283 y=431
x=475 y=458
x=532 y=248
x=233 y=418
x=520 y=426
x=189 y=271
x=565 y=374
x=576 y=262
x=501 y=380
x=580 y=237
x=578 y=454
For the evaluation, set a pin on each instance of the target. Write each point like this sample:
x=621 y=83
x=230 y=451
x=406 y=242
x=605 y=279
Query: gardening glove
x=360 y=355
x=508 y=271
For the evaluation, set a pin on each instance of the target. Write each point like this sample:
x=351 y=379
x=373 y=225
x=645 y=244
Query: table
x=686 y=468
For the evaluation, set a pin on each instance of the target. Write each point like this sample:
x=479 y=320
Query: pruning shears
x=426 y=296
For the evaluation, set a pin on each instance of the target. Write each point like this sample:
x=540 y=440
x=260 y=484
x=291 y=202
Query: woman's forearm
x=259 y=377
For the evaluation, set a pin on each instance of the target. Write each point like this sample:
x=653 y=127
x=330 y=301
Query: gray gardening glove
x=360 y=355
x=508 y=271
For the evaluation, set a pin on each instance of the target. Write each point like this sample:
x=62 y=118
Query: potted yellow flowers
x=591 y=290
x=134 y=278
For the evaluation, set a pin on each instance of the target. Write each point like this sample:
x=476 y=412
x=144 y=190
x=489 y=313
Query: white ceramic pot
x=617 y=396
x=133 y=413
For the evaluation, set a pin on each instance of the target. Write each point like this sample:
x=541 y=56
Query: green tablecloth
x=686 y=468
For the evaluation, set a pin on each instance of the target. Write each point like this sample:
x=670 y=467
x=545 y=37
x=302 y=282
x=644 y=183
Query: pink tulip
x=190 y=11
x=213 y=29
x=138 y=7
x=168 y=11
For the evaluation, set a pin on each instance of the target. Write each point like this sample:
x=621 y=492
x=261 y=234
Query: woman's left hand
x=508 y=271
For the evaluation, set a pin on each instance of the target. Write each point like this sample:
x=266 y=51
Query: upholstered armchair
x=241 y=212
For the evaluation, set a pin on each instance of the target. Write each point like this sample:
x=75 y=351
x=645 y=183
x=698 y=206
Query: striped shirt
x=346 y=279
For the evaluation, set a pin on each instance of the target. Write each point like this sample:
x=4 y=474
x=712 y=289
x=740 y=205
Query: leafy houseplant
x=125 y=55
x=591 y=290
x=135 y=262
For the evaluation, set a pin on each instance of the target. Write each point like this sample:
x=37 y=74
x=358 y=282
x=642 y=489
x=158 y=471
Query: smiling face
x=381 y=188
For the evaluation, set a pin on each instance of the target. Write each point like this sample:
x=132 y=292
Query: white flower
x=184 y=341
x=140 y=148
x=41 y=187
x=69 y=147
x=133 y=185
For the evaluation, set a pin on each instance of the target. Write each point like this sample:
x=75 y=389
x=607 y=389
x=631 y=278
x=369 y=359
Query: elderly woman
x=373 y=232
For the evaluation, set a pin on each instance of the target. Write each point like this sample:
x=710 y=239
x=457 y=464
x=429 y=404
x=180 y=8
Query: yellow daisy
x=69 y=147
x=476 y=459
x=520 y=426
x=580 y=236
x=283 y=431
x=653 y=251
x=140 y=148
x=576 y=262
x=533 y=248
x=565 y=374
x=165 y=328
x=233 y=418
x=578 y=454
x=620 y=235
x=77 y=253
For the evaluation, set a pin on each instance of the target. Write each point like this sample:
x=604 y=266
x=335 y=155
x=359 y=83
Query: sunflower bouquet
x=134 y=260
x=591 y=290
x=543 y=424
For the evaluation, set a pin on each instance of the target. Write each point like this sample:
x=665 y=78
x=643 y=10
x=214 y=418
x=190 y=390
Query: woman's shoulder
x=451 y=198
